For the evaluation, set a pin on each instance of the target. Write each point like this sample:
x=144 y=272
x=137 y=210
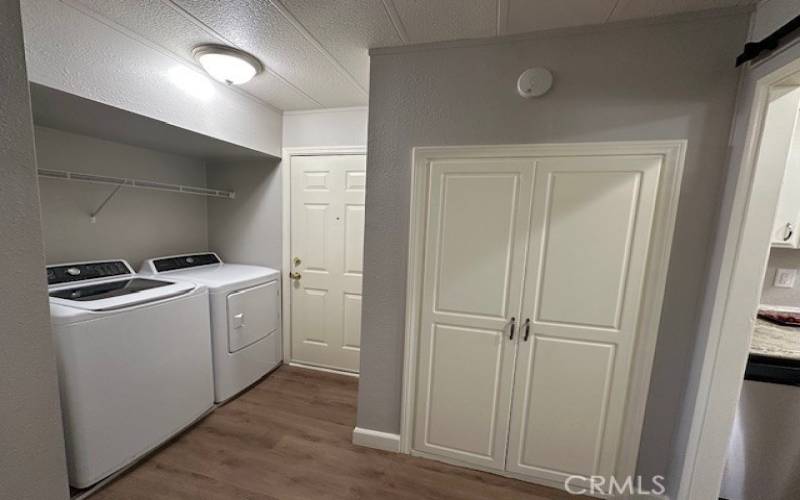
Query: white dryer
x=245 y=316
x=134 y=362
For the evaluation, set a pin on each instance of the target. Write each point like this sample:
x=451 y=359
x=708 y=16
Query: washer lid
x=107 y=295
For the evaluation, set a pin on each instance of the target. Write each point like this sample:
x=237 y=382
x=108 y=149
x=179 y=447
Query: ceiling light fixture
x=226 y=64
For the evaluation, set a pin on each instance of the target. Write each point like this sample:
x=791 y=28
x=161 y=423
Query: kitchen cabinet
x=782 y=136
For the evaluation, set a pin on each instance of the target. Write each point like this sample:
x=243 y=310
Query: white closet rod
x=135 y=183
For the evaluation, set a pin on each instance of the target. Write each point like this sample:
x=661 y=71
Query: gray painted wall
x=643 y=81
x=247 y=229
x=325 y=127
x=786 y=258
x=32 y=463
x=137 y=223
x=771 y=15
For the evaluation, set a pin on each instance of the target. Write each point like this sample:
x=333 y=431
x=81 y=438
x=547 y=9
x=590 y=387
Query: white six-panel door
x=474 y=258
x=589 y=243
x=562 y=245
x=327 y=240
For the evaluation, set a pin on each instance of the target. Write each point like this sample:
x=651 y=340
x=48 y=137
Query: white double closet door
x=532 y=289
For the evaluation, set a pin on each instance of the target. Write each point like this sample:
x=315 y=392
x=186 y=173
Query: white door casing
x=749 y=209
x=611 y=339
x=590 y=238
x=472 y=290
x=327 y=235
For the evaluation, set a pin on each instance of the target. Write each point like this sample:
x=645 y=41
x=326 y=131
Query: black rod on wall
x=770 y=43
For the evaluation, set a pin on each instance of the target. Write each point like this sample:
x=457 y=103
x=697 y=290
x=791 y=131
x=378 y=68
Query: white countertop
x=770 y=339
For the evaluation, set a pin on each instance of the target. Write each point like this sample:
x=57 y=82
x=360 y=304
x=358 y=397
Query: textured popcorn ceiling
x=316 y=50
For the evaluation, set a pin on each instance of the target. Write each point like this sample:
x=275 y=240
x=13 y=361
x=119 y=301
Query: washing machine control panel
x=67 y=273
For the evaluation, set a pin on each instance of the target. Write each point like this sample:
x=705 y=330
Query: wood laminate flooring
x=289 y=438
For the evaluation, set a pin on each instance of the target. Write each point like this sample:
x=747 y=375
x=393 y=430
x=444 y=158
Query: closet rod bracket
x=93 y=215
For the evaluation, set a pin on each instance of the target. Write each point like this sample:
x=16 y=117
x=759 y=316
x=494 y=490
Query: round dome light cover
x=226 y=64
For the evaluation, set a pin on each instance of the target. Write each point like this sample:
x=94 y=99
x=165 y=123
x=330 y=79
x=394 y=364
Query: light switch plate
x=784 y=278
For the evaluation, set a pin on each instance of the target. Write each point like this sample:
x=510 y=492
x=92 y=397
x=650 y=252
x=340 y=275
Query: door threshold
x=323 y=369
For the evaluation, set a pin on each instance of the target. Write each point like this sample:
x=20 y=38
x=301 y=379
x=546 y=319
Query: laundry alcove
x=115 y=184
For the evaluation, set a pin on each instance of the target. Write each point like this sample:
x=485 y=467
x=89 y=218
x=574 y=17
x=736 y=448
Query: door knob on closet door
x=295 y=276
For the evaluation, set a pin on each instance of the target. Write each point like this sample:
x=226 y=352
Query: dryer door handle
x=238 y=321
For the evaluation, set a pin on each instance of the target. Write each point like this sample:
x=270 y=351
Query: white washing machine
x=245 y=316
x=134 y=362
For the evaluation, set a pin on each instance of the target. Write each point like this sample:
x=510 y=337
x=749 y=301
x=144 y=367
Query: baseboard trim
x=385 y=441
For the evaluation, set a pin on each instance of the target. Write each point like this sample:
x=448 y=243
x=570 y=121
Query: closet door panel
x=478 y=214
x=560 y=427
x=590 y=238
x=476 y=243
x=468 y=383
x=587 y=211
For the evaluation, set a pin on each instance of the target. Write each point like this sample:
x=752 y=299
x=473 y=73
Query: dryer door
x=252 y=315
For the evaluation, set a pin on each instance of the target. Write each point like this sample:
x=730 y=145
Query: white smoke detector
x=534 y=82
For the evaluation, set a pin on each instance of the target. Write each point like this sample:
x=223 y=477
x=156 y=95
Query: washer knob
x=73 y=271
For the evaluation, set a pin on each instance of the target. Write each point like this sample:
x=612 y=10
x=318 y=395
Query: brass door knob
x=295 y=276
